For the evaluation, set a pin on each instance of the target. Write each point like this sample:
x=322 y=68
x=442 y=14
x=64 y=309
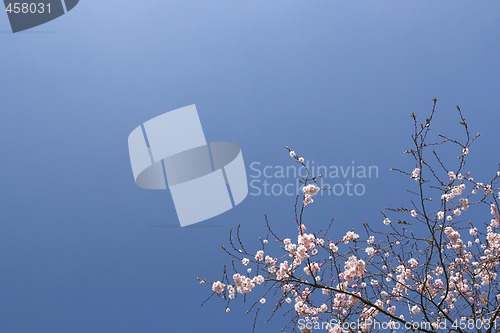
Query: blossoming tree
x=425 y=267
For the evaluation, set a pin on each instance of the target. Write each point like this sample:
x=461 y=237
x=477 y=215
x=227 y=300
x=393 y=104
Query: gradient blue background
x=82 y=249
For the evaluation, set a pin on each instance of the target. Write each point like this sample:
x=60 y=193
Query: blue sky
x=83 y=249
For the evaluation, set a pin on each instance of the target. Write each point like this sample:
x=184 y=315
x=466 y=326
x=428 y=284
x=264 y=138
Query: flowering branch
x=425 y=268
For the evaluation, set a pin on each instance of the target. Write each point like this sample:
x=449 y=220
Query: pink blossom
x=259 y=255
x=413 y=262
x=415 y=173
x=307 y=200
x=350 y=236
x=333 y=247
x=218 y=287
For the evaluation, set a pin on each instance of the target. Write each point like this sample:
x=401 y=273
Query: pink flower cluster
x=309 y=191
x=353 y=268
